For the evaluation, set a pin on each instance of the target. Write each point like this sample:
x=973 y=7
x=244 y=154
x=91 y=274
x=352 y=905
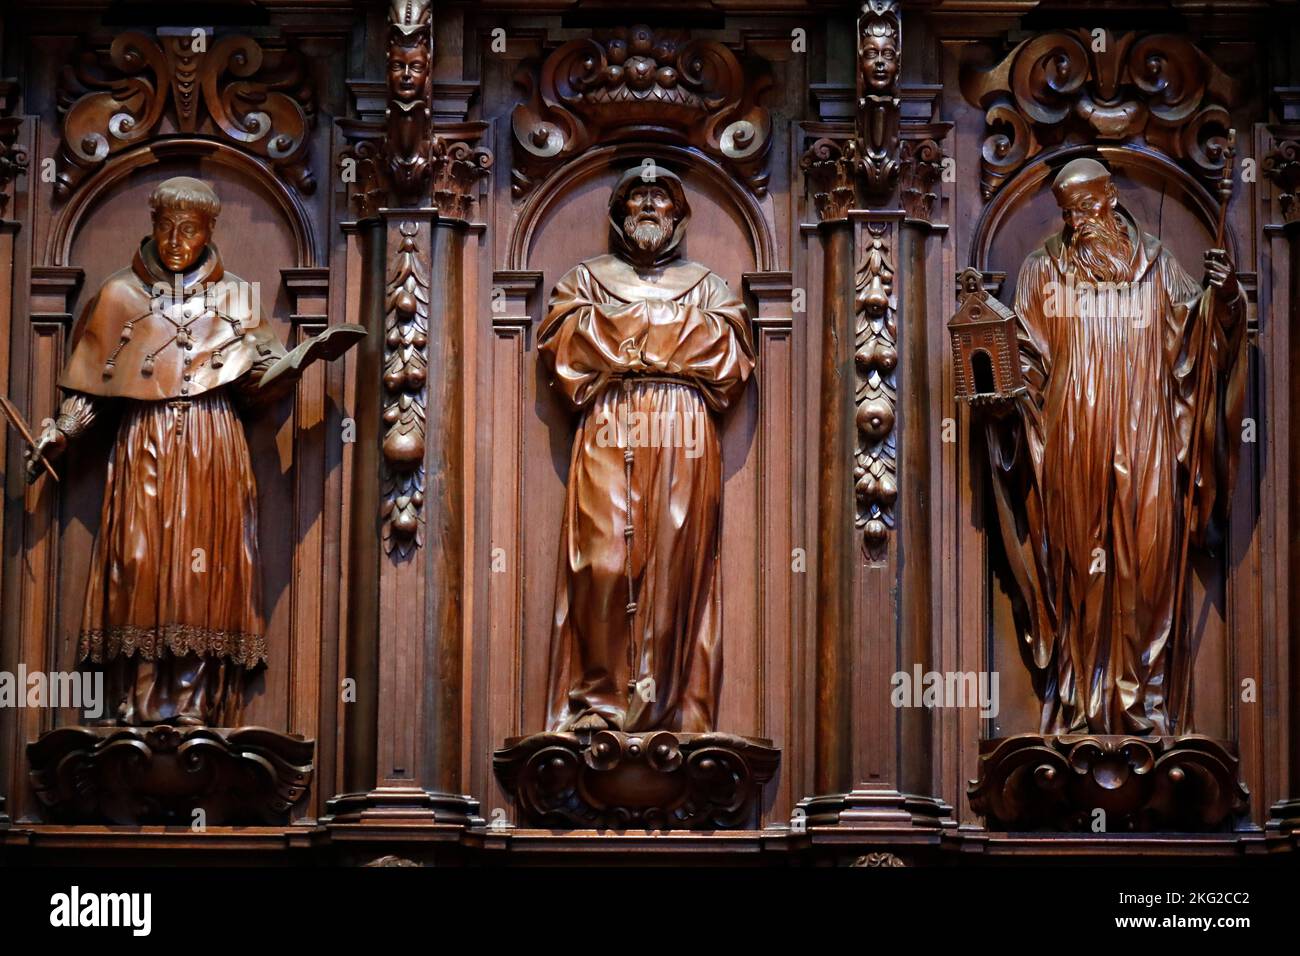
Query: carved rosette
x=1282 y=166
x=1141 y=784
x=880 y=44
x=234 y=88
x=875 y=358
x=635 y=83
x=133 y=776
x=658 y=780
x=406 y=340
x=1068 y=86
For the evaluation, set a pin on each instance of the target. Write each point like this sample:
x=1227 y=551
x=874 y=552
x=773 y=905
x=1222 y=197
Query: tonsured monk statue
x=170 y=345
x=1092 y=474
x=646 y=346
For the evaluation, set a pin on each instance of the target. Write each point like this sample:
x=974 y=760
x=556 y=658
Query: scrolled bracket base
x=659 y=780
x=1142 y=784
x=133 y=776
x=1283 y=816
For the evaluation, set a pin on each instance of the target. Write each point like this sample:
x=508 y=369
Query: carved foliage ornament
x=1076 y=86
x=638 y=83
x=233 y=87
x=13 y=158
x=1282 y=166
x=875 y=357
x=406 y=337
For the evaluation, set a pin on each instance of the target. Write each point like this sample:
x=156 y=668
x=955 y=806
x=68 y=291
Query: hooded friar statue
x=645 y=346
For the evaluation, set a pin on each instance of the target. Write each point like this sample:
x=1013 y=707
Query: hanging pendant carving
x=234 y=88
x=1075 y=86
x=875 y=359
x=406 y=338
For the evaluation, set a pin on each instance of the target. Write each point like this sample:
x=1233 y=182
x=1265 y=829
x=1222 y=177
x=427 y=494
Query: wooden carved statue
x=647 y=347
x=1117 y=457
x=172 y=346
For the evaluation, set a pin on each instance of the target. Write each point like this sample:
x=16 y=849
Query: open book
x=329 y=345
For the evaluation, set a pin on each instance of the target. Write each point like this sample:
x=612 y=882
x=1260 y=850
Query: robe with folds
x=173 y=603
x=1091 y=478
x=633 y=347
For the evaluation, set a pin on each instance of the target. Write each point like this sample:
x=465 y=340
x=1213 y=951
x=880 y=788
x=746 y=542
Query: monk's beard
x=647 y=237
x=1101 y=251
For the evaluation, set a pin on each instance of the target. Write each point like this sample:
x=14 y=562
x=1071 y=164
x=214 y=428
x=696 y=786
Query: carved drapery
x=234 y=87
x=638 y=83
x=1079 y=86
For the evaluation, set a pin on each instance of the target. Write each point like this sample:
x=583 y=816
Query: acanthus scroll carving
x=1070 y=85
x=1282 y=166
x=875 y=358
x=639 y=83
x=406 y=338
x=255 y=97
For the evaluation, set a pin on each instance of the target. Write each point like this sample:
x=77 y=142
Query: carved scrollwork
x=827 y=165
x=457 y=167
x=13 y=158
x=253 y=96
x=1074 y=86
x=1282 y=166
x=638 y=83
x=920 y=166
x=875 y=359
x=406 y=339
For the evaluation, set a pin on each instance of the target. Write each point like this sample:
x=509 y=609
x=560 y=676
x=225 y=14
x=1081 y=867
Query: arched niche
x=1166 y=202
x=262 y=229
x=563 y=222
x=1164 y=199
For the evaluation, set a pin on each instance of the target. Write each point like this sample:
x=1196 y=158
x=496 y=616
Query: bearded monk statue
x=1125 y=358
x=170 y=346
x=648 y=348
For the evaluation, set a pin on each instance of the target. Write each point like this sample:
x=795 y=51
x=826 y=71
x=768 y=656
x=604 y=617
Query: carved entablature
x=1071 y=86
x=254 y=96
x=643 y=84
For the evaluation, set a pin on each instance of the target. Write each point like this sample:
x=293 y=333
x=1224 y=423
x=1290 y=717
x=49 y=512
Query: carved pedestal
x=658 y=780
x=160 y=775
x=1143 y=784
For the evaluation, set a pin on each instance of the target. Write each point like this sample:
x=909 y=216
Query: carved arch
x=1032 y=176
x=102 y=181
x=594 y=161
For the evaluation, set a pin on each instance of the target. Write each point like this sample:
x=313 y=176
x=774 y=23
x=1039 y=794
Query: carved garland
x=875 y=358
x=255 y=97
x=637 y=84
x=1076 y=86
